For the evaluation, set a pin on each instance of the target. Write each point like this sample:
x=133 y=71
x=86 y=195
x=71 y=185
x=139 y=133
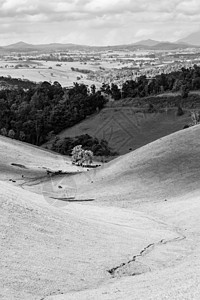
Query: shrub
x=195 y=116
x=11 y=134
x=180 y=111
x=151 y=108
x=4 y=131
x=184 y=91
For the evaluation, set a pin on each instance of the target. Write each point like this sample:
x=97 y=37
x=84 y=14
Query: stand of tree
x=183 y=80
x=98 y=147
x=33 y=115
x=15 y=83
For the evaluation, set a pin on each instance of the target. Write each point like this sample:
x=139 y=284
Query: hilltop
x=19 y=46
x=148 y=43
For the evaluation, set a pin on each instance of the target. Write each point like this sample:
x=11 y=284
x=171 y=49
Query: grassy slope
x=126 y=129
x=47 y=251
x=49 y=247
x=34 y=161
x=166 y=169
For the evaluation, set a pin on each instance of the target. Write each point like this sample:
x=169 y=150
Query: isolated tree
x=22 y=136
x=77 y=155
x=11 y=134
x=81 y=156
x=4 y=131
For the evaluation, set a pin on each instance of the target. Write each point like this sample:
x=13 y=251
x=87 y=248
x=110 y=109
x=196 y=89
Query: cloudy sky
x=97 y=22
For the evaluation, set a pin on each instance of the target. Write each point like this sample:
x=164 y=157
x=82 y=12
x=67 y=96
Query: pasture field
x=38 y=71
x=51 y=71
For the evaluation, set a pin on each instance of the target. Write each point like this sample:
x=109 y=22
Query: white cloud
x=97 y=21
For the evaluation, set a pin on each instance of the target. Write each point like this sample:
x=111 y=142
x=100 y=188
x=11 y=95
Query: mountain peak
x=192 y=39
x=19 y=45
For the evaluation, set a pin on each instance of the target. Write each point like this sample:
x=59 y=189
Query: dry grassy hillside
x=160 y=170
x=138 y=238
x=126 y=129
x=19 y=161
x=162 y=178
x=50 y=247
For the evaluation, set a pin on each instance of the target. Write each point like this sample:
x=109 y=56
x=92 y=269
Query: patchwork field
x=38 y=71
x=51 y=71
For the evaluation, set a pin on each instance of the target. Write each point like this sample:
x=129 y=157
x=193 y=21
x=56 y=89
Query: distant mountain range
x=148 y=43
x=192 y=40
x=30 y=47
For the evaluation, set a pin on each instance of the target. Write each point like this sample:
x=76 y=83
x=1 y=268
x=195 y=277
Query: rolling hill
x=144 y=44
x=155 y=171
x=171 y=46
x=132 y=231
x=161 y=179
x=42 y=239
x=25 y=47
x=126 y=129
x=19 y=46
x=148 y=43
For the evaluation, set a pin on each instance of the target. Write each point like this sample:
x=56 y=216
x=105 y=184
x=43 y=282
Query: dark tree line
x=16 y=83
x=33 y=115
x=182 y=80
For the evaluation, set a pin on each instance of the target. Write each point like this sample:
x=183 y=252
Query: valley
x=126 y=227
x=142 y=224
x=99 y=150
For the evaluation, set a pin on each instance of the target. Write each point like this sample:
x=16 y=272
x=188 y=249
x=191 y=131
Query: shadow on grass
x=72 y=199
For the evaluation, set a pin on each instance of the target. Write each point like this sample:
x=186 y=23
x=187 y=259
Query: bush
x=4 y=131
x=195 y=116
x=11 y=134
x=180 y=111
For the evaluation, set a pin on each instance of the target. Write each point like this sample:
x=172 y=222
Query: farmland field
x=46 y=71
